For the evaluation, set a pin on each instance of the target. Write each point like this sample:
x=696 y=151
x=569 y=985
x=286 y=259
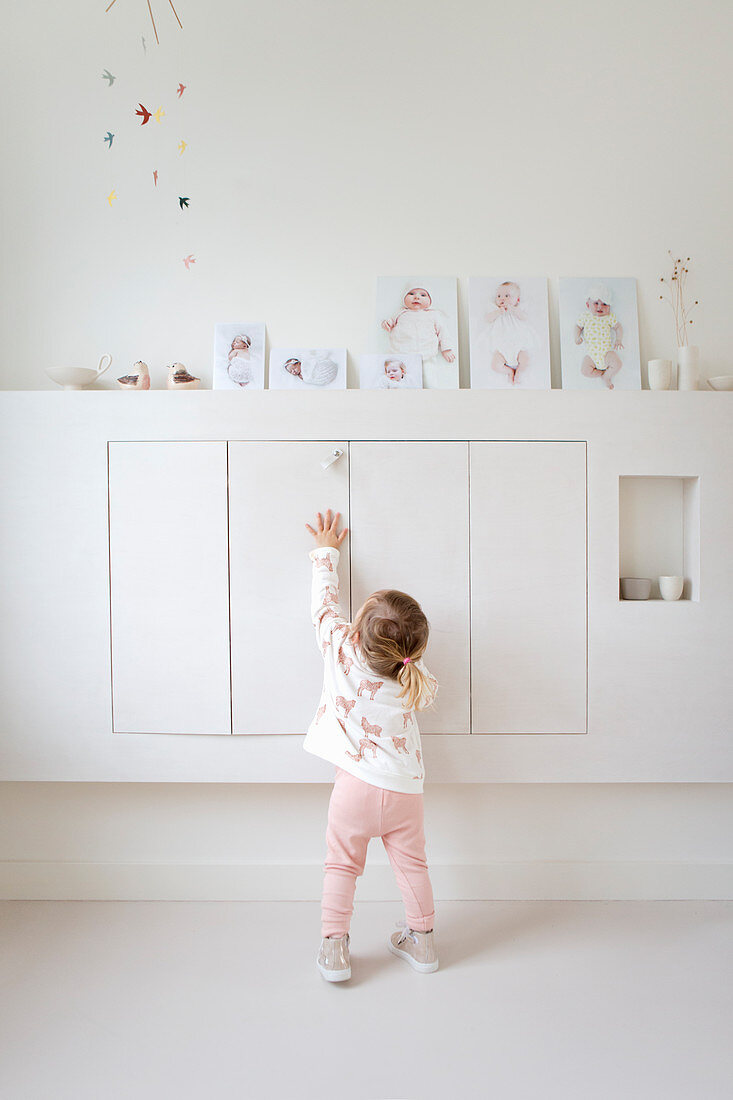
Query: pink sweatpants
x=357 y=812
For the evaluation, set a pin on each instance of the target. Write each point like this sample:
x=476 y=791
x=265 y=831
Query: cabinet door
x=169 y=587
x=528 y=587
x=409 y=512
x=274 y=490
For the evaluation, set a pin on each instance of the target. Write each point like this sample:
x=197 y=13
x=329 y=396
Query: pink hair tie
x=406 y=660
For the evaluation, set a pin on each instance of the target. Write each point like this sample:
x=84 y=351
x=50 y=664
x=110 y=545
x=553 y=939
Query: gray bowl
x=635 y=588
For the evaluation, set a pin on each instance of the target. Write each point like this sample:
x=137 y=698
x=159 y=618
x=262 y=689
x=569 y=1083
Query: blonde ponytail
x=415 y=685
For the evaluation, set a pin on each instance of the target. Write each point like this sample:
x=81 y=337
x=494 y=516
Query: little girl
x=374 y=681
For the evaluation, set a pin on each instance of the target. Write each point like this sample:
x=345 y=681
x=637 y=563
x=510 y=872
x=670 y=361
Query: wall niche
x=659 y=532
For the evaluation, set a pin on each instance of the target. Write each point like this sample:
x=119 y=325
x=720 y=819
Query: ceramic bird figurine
x=137 y=379
x=180 y=379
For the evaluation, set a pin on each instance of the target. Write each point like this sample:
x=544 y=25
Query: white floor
x=220 y=1000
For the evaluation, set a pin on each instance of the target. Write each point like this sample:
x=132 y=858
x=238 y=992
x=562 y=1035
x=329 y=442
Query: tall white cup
x=670 y=588
x=660 y=374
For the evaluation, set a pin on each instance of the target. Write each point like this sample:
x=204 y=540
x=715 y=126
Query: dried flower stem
x=675 y=289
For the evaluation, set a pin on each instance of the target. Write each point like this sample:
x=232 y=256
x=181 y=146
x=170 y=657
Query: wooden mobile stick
x=152 y=20
x=180 y=24
x=155 y=31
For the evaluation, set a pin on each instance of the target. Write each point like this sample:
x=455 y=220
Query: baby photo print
x=599 y=334
x=307 y=369
x=239 y=356
x=420 y=315
x=390 y=372
x=509 y=333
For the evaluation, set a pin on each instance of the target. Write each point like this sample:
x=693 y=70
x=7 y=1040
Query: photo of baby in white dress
x=599 y=334
x=307 y=369
x=385 y=372
x=239 y=356
x=509 y=333
x=420 y=315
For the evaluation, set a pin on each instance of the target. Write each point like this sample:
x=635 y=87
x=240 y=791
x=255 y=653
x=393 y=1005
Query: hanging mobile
x=152 y=18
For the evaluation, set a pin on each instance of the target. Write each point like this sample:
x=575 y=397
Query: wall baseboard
x=505 y=881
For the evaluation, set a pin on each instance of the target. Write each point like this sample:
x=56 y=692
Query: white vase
x=688 y=364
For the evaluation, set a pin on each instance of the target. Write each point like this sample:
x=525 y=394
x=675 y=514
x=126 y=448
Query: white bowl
x=76 y=378
x=72 y=378
x=721 y=382
x=635 y=588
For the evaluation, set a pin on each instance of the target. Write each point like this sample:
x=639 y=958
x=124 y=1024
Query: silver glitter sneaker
x=417 y=948
x=333 y=958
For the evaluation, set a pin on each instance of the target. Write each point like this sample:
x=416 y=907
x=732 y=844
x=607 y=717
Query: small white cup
x=670 y=588
x=660 y=374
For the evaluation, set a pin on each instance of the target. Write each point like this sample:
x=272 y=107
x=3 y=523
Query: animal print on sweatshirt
x=372 y=686
x=361 y=723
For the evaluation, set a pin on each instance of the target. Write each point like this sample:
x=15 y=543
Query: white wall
x=328 y=143
x=248 y=841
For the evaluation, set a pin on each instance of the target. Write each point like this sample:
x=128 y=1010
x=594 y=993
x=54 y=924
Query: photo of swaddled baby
x=599 y=334
x=420 y=315
x=509 y=333
x=307 y=369
x=239 y=356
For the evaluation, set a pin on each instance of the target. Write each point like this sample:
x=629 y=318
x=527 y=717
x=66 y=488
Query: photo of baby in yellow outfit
x=599 y=334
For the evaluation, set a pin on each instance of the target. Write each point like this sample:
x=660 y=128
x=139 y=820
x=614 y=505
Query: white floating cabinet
x=528 y=587
x=210 y=578
x=275 y=488
x=169 y=587
x=158 y=514
x=409 y=507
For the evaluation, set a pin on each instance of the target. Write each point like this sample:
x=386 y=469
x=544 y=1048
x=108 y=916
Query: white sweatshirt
x=361 y=724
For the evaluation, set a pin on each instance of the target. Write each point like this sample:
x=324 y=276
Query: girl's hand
x=388 y=325
x=327 y=534
x=449 y=356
